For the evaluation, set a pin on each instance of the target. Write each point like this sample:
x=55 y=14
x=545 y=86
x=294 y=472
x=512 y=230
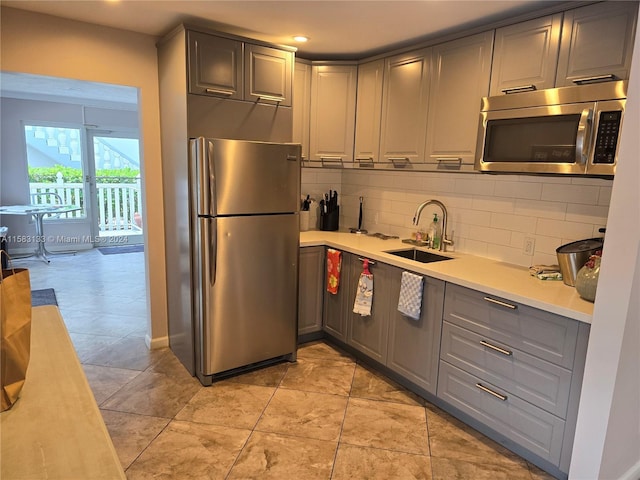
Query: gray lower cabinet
x=368 y=334
x=311 y=288
x=414 y=345
x=334 y=316
x=516 y=369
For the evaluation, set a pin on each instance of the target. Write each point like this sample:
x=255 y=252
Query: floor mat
x=125 y=249
x=46 y=296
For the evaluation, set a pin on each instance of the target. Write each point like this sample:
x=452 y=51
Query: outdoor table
x=38 y=212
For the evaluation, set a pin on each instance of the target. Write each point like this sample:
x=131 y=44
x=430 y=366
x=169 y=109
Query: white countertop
x=511 y=282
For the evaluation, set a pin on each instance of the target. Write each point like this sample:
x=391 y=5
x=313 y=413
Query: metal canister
x=573 y=256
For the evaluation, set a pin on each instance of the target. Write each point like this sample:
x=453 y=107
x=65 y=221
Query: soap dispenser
x=435 y=234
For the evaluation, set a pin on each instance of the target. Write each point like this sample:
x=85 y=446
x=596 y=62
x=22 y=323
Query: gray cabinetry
x=215 y=66
x=597 y=40
x=516 y=369
x=525 y=55
x=230 y=68
x=310 y=295
x=301 y=105
x=461 y=71
x=405 y=101
x=368 y=334
x=334 y=316
x=414 y=345
x=268 y=73
x=333 y=112
x=368 y=111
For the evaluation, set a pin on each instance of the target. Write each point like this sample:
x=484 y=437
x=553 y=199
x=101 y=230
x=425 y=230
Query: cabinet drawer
x=542 y=334
x=541 y=383
x=532 y=428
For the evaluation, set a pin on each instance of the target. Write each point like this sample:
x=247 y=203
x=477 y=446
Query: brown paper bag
x=15 y=330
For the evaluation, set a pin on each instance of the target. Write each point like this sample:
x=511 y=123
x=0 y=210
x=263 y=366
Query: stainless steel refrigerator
x=244 y=236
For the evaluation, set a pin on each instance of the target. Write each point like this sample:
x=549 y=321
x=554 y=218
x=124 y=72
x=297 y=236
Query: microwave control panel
x=607 y=137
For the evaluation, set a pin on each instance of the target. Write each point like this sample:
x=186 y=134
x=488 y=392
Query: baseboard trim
x=156 y=343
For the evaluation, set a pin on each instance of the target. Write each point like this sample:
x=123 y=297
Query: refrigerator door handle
x=211 y=237
x=202 y=152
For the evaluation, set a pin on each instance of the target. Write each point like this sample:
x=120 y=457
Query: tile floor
x=327 y=416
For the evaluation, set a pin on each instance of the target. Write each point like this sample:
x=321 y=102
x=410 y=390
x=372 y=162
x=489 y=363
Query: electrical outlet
x=529 y=245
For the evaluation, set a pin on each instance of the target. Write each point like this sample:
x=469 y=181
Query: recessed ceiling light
x=300 y=38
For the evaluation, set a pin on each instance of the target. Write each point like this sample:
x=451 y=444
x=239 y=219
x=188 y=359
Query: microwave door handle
x=584 y=130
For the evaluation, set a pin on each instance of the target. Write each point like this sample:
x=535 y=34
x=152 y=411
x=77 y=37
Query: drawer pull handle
x=491 y=392
x=497 y=349
x=371 y=262
x=522 y=88
x=219 y=92
x=502 y=304
x=594 y=79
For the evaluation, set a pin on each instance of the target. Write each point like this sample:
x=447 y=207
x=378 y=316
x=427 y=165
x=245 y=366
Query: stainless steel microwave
x=569 y=130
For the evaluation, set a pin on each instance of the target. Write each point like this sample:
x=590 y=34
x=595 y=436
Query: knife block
x=330 y=221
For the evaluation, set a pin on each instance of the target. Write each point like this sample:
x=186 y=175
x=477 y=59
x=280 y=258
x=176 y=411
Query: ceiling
x=346 y=29
x=337 y=29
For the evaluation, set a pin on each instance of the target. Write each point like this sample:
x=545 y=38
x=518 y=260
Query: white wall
x=46 y=45
x=489 y=215
x=607 y=444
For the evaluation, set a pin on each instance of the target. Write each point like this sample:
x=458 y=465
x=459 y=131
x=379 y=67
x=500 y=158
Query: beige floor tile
x=386 y=425
x=324 y=351
x=272 y=456
x=452 y=439
x=187 y=450
x=364 y=463
x=367 y=383
x=318 y=375
x=228 y=404
x=266 y=377
x=128 y=352
x=154 y=394
x=449 y=468
x=105 y=381
x=304 y=414
x=131 y=433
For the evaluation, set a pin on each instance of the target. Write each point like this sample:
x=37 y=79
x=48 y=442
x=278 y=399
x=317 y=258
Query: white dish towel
x=364 y=295
x=410 y=298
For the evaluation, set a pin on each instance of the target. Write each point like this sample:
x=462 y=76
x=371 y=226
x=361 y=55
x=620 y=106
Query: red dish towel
x=334 y=265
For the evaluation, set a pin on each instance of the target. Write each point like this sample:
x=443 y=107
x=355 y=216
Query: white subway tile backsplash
x=564 y=229
x=571 y=193
x=490 y=215
x=532 y=191
x=587 y=213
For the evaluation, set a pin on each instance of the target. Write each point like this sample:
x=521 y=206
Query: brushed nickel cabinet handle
x=273 y=98
x=508 y=353
x=400 y=162
x=332 y=162
x=502 y=304
x=219 y=92
x=522 y=88
x=595 y=79
x=491 y=392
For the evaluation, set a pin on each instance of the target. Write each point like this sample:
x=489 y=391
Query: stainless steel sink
x=419 y=255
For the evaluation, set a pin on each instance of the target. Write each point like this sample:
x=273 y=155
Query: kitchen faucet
x=416 y=218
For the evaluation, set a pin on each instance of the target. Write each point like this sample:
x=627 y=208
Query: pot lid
x=581 y=246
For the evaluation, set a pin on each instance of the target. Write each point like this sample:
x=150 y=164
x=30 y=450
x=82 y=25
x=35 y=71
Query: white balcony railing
x=118 y=204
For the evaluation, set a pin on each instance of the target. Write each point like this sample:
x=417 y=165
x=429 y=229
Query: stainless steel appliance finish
x=245 y=238
x=569 y=130
x=573 y=256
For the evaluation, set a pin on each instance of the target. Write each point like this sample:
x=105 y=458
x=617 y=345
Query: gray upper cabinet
x=229 y=68
x=461 y=71
x=405 y=102
x=597 y=41
x=368 y=334
x=333 y=112
x=215 y=66
x=368 y=111
x=525 y=55
x=268 y=74
x=414 y=345
x=301 y=105
x=310 y=295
